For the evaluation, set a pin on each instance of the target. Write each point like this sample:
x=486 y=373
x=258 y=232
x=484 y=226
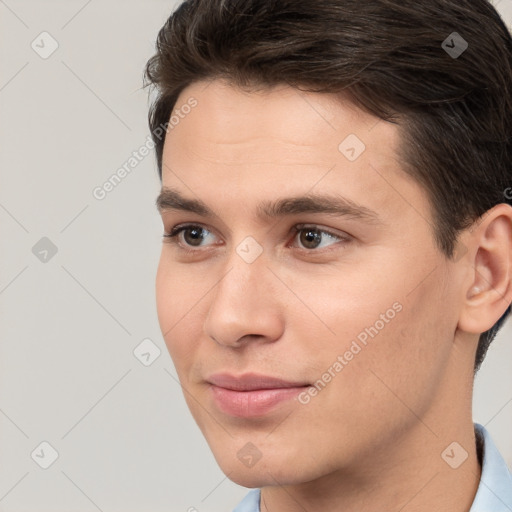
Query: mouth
x=251 y=395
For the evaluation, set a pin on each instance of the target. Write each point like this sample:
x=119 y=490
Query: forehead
x=278 y=116
x=240 y=146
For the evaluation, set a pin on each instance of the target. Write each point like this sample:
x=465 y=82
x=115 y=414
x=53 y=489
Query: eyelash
x=172 y=237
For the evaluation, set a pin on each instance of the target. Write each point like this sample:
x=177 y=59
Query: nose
x=245 y=304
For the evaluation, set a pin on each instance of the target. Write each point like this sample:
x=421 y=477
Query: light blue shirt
x=494 y=492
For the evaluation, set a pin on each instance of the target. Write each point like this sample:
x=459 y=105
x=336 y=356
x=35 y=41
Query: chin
x=276 y=471
x=249 y=479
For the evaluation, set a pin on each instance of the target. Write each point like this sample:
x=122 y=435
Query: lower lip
x=250 y=404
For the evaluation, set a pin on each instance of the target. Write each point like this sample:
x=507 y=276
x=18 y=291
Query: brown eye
x=310 y=238
x=195 y=235
x=313 y=237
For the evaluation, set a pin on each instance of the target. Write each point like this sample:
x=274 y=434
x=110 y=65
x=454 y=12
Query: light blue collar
x=494 y=493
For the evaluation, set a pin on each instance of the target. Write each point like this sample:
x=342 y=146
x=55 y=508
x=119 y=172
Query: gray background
x=69 y=325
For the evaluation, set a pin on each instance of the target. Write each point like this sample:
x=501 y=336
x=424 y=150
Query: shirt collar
x=495 y=489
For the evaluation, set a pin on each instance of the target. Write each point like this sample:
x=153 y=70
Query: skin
x=372 y=439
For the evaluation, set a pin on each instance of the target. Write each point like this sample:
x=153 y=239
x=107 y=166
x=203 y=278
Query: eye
x=311 y=237
x=193 y=235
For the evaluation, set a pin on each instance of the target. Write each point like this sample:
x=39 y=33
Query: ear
x=487 y=291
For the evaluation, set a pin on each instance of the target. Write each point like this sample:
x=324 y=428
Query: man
x=337 y=250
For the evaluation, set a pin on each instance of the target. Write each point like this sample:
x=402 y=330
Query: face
x=307 y=293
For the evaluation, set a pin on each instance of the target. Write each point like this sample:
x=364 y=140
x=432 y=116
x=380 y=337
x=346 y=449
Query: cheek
x=338 y=306
x=402 y=367
x=393 y=335
x=178 y=301
x=166 y=294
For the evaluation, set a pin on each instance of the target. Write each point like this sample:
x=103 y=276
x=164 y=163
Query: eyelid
x=341 y=235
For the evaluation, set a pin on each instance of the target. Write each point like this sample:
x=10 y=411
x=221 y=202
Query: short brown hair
x=392 y=57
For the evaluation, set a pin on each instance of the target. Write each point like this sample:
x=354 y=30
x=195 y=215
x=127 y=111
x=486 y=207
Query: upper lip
x=251 y=381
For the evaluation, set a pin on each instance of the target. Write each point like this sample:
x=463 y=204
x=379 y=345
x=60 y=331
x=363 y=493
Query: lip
x=251 y=394
x=251 y=382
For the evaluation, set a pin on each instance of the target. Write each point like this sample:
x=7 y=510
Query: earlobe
x=489 y=292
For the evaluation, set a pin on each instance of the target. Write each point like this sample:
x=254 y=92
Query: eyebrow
x=171 y=199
